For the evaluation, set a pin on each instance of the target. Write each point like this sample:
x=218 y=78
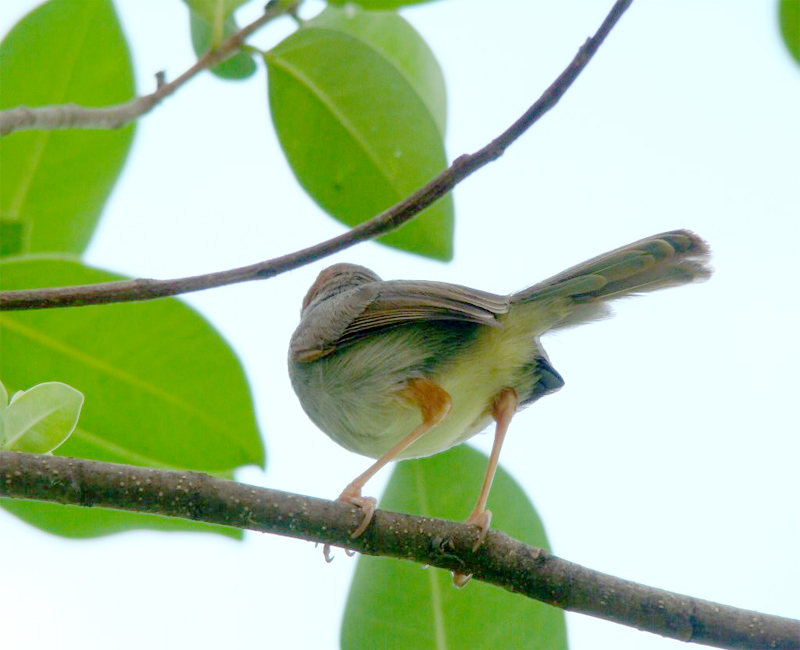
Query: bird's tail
x=665 y=260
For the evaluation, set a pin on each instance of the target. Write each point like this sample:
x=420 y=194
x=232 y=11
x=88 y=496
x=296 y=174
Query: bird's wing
x=382 y=305
x=405 y=301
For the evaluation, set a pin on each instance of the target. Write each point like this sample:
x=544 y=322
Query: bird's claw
x=367 y=504
x=483 y=520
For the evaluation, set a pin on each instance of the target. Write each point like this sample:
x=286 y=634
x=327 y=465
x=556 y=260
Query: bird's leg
x=434 y=403
x=503 y=409
x=505 y=405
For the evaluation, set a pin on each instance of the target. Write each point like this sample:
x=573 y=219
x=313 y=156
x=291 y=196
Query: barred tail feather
x=666 y=260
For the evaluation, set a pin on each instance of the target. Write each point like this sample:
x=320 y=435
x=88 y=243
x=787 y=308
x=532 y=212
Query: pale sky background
x=671 y=456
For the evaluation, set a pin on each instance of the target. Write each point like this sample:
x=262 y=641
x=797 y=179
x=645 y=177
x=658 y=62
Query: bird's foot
x=352 y=495
x=483 y=520
x=367 y=504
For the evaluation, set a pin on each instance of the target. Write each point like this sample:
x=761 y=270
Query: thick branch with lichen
x=501 y=560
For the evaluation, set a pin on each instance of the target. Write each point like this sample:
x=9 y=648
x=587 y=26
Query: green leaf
x=398 y=44
x=358 y=103
x=373 y=5
x=40 y=419
x=3 y=402
x=789 y=18
x=238 y=66
x=55 y=183
x=432 y=613
x=163 y=389
x=214 y=12
x=83 y=523
x=12 y=234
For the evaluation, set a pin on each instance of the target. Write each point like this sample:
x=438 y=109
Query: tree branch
x=501 y=560
x=387 y=221
x=72 y=116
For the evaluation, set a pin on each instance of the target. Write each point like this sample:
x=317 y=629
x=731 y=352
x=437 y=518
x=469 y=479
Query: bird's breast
x=355 y=395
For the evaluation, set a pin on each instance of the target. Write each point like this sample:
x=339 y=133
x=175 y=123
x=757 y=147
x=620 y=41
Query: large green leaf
x=394 y=604
x=358 y=103
x=162 y=388
x=78 y=522
x=54 y=184
x=398 y=44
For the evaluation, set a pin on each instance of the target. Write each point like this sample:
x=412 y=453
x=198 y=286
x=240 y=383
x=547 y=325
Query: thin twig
x=501 y=560
x=72 y=116
x=387 y=221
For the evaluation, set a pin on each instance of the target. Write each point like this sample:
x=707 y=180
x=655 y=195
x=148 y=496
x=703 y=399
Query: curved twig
x=387 y=221
x=72 y=116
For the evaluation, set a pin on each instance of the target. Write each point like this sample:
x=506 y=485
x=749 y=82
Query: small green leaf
x=432 y=613
x=357 y=100
x=379 y=5
x=163 y=389
x=789 y=18
x=40 y=419
x=3 y=402
x=214 y=12
x=55 y=183
x=238 y=66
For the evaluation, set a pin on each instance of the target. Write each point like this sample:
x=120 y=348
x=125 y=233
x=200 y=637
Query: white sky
x=670 y=458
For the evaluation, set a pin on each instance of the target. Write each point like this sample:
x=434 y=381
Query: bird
x=404 y=369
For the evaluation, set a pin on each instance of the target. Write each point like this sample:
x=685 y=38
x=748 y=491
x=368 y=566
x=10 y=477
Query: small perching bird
x=407 y=368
